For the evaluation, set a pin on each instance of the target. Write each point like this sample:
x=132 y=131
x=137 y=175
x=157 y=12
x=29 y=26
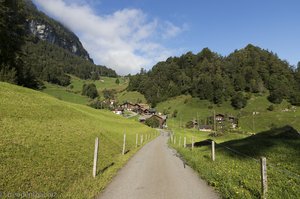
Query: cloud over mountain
x=125 y=40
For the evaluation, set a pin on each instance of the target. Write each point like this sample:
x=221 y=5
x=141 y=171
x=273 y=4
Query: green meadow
x=235 y=173
x=103 y=83
x=131 y=96
x=47 y=145
x=72 y=93
x=65 y=94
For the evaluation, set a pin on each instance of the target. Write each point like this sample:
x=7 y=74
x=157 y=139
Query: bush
x=295 y=99
x=90 y=90
x=238 y=101
x=152 y=122
x=97 y=104
x=174 y=114
x=271 y=108
x=189 y=124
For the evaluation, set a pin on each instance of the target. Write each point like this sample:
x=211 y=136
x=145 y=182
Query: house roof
x=205 y=127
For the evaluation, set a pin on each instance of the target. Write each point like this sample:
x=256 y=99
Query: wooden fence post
x=136 y=140
x=95 y=157
x=142 y=140
x=184 y=142
x=175 y=140
x=213 y=150
x=192 y=143
x=124 y=144
x=264 y=182
x=179 y=143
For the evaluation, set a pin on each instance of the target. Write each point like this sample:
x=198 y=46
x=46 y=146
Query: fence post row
x=136 y=140
x=95 y=157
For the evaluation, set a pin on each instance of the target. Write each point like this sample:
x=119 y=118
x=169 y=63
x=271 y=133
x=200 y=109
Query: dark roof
x=205 y=127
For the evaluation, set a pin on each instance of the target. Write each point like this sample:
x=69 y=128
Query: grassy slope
x=62 y=93
x=133 y=97
x=46 y=145
x=238 y=176
x=107 y=83
x=74 y=95
x=189 y=108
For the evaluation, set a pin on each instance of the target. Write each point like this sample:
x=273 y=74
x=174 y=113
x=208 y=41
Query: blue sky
x=138 y=33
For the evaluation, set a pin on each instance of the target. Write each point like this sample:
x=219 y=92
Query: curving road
x=155 y=172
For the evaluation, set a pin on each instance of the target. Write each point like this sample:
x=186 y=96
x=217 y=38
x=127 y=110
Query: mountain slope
x=46 y=145
x=47 y=29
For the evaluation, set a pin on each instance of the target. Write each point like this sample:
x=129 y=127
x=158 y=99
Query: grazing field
x=72 y=93
x=236 y=171
x=133 y=96
x=103 y=83
x=47 y=145
x=192 y=108
x=65 y=94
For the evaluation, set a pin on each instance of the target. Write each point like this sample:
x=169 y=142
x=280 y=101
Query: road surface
x=155 y=172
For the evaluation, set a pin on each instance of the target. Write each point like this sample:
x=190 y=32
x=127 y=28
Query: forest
x=208 y=75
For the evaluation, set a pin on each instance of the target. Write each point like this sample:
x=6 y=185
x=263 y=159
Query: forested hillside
x=36 y=48
x=207 y=75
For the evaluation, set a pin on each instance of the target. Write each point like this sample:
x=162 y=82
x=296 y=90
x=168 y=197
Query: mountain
x=207 y=75
x=47 y=29
x=36 y=48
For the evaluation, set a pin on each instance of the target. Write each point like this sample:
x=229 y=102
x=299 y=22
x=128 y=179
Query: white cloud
x=125 y=40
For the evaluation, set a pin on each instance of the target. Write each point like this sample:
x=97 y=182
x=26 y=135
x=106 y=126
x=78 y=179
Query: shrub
x=90 y=90
x=295 y=99
x=152 y=122
x=271 y=108
x=174 y=114
x=189 y=125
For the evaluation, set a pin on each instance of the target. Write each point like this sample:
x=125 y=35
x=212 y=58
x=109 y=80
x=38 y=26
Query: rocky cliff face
x=44 y=28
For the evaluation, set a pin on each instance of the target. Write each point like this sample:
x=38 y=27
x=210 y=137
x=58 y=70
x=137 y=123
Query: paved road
x=156 y=173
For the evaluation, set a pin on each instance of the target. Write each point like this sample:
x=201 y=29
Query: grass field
x=65 y=94
x=236 y=172
x=47 y=145
x=191 y=108
x=72 y=93
x=103 y=83
x=133 y=96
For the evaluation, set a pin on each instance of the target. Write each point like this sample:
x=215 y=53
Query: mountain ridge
x=47 y=29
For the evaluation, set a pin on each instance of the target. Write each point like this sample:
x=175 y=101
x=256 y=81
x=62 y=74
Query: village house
x=221 y=120
x=118 y=111
x=129 y=106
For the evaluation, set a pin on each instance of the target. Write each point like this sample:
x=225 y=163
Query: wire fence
x=281 y=170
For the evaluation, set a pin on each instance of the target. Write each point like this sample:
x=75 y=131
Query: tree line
x=208 y=75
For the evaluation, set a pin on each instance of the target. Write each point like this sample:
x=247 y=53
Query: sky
x=127 y=35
